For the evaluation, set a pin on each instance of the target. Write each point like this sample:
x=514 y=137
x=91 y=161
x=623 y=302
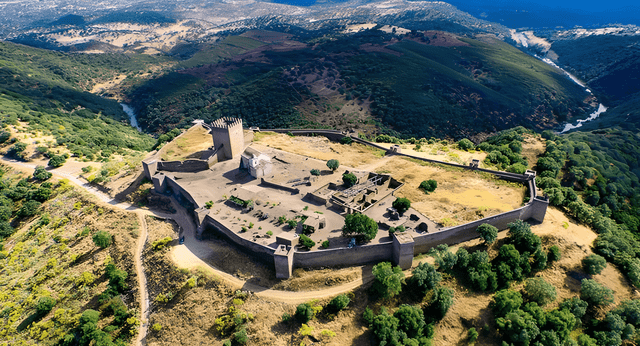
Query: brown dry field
x=461 y=196
x=532 y=148
x=187 y=145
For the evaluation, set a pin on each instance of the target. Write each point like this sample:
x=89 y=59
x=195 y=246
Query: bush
x=292 y=224
x=388 y=280
x=505 y=301
x=359 y=225
x=401 y=205
x=488 y=233
x=333 y=164
x=325 y=244
x=472 y=335
x=425 y=277
x=594 y=264
x=554 y=254
x=156 y=327
x=428 y=185
x=349 y=179
x=346 y=140
x=40 y=173
x=304 y=313
x=102 y=239
x=539 y=291
x=44 y=305
x=29 y=208
x=161 y=243
x=465 y=144
x=338 y=303
x=306 y=241
x=57 y=161
x=443 y=301
x=315 y=172
x=595 y=293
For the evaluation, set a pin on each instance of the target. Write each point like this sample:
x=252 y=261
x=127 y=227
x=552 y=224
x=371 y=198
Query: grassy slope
x=34 y=265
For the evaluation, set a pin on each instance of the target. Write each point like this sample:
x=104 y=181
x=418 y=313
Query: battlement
x=225 y=123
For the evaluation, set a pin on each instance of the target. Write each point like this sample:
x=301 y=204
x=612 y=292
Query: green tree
x=442 y=302
x=304 y=313
x=40 y=173
x=472 y=335
x=102 y=239
x=505 y=301
x=576 y=306
x=5 y=229
x=306 y=241
x=333 y=164
x=488 y=233
x=410 y=320
x=29 y=208
x=465 y=144
x=57 y=161
x=44 y=305
x=401 y=205
x=117 y=277
x=388 y=279
x=428 y=185
x=338 y=303
x=518 y=327
x=315 y=172
x=594 y=264
x=538 y=290
x=554 y=254
x=349 y=179
x=359 y=225
x=425 y=277
x=595 y=293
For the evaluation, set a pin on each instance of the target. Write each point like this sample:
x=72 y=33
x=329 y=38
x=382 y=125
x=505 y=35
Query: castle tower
x=228 y=137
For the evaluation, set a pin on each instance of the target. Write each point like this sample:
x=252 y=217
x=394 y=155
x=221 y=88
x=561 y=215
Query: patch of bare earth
x=189 y=145
x=532 y=148
x=461 y=196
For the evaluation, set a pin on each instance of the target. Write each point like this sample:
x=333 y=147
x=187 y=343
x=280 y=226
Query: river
x=132 y=116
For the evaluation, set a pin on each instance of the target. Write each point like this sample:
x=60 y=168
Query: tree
x=338 y=303
x=518 y=327
x=315 y=172
x=304 y=313
x=428 y=185
x=488 y=233
x=388 y=279
x=57 y=161
x=595 y=293
x=349 y=179
x=410 y=320
x=554 y=254
x=333 y=164
x=45 y=304
x=505 y=301
x=117 y=277
x=575 y=305
x=306 y=241
x=102 y=239
x=401 y=205
x=29 y=208
x=465 y=144
x=594 y=264
x=472 y=335
x=41 y=173
x=425 y=277
x=539 y=291
x=359 y=225
x=443 y=301
x=5 y=229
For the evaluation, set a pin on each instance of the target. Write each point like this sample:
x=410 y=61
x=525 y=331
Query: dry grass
x=187 y=145
x=461 y=196
x=532 y=148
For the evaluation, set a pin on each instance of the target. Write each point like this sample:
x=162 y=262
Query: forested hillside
x=421 y=84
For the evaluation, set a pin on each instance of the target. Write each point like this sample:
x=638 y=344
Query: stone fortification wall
x=183 y=166
x=264 y=253
x=178 y=191
x=344 y=256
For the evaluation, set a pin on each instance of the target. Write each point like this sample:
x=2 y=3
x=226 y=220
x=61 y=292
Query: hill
x=414 y=84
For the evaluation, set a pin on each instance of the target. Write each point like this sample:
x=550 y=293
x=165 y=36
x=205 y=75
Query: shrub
x=156 y=327
x=401 y=205
x=304 y=313
x=44 y=305
x=349 y=179
x=325 y=244
x=425 y=277
x=505 y=301
x=315 y=172
x=359 y=225
x=388 y=280
x=269 y=233
x=208 y=205
x=465 y=144
x=333 y=164
x=472 y=335
x=595 y=293
x=428 y=185
x=292 y=224
x=40 y=173
x=338 y=303
x=57 y=161
x=488 y=233
x=102 y=239
x=443 y=301
x=306 y=241
x=554 y=254
x=29 y=208
x=161 y=243
x=539 y=291
x=594 y=264
x=346 y=140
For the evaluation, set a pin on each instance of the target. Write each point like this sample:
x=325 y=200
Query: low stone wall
x=262 y=252
x=183 y=166
x=333 y=135
x=292 y=190
x=344 y=256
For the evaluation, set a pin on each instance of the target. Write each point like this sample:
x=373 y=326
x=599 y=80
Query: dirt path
x=142 y=281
